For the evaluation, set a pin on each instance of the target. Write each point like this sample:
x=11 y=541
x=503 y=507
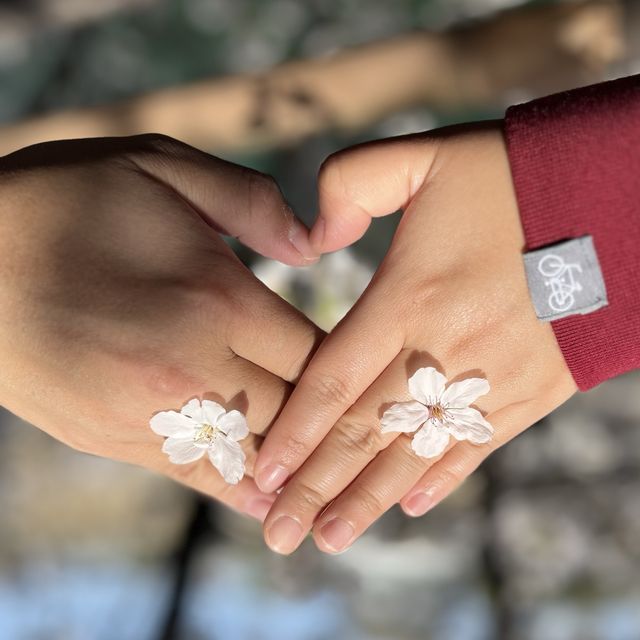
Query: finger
x=244 y=497
x=271 y=333
x=244 y=387
x=458 y=464
x=234 y=383
x=251 y=445
x=372 y=493
x=261 y=397
x=146 y=453
x=350 y=446
x=388 y=478
x=347 y=449
x=234 y=200
x=247 y=388
x=340 y=371
x=433 y=487
x=368 y=181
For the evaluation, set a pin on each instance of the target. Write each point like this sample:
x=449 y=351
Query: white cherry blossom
x=204 y=427
x=436 y=412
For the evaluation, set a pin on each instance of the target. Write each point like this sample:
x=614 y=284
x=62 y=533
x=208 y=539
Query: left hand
x=451 y=293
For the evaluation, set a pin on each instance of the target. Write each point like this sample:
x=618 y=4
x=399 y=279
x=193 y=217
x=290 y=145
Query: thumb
x=368 y=181
x=234 y=200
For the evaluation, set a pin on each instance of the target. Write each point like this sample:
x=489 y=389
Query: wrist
x=575 y=173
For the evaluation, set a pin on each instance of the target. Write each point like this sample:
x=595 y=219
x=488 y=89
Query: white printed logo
x=560 y=277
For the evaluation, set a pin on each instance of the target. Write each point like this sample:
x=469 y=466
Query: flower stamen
x=205 y=434
x=436 y=412
x=204 y=428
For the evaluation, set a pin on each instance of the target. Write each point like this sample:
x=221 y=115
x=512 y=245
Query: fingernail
x=337 y=534
x=259 y=507
x=419 y=504
x=299 y=238
x=271 y=478
x=317 y=234
x=284 y=535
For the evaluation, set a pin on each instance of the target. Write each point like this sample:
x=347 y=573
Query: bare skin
x=120 y=298
x=451 y=293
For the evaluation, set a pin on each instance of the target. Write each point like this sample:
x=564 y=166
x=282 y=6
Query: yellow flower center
x=206 y=434
x=436 y=412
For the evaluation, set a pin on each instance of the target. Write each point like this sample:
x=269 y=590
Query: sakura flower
x=204 y=427
x=436 y=413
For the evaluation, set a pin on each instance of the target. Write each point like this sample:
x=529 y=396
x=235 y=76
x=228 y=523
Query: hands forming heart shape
x=120 y=298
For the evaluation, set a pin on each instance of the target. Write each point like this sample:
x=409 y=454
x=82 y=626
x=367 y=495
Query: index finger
x=354 y=185
x=348 y=361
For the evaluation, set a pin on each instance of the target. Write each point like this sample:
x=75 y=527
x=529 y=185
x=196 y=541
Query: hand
x=451 y=293
x=118 y=298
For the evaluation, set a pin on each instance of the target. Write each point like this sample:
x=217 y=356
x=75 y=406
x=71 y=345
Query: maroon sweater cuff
x=575 y=161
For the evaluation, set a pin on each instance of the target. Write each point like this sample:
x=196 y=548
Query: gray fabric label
x=565 y=279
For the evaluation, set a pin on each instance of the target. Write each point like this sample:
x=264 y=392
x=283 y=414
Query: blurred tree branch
x=32 y=15
x=518 y=54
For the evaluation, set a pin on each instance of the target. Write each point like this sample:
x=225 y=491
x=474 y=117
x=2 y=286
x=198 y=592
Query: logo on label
x=560 y=277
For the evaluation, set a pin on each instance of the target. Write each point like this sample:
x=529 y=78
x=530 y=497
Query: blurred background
x=543 y=543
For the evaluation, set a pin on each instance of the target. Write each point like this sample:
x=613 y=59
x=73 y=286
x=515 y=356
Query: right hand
x=119 y=298
x=451 y=294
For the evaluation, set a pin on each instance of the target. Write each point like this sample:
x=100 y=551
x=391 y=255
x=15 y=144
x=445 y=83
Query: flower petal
x=172 y=423
x=193 y=409
x=182 y=450
x=469 y=424
x=426 y=385
x=430 y=441
x=228 y=458
x=211 y=412
x=405 y=417
x=465 y=392
x=234 y=425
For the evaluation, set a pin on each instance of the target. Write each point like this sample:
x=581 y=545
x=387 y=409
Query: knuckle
x=295 y=448
x=451 y=475
x=421 y=298
x=265 y=183
x=358 y=435
x=158 y=373
x=368 y=500
x=159 y=155
x=425 y=295
x=159 y=143
x=308 y=497
x=455 y=346
x=209 y=299
x=264 y=193
x=167 y=380
x=333 y=390
x=149 y=154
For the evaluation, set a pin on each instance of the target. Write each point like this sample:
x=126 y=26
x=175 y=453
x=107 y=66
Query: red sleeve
x=575 y=161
